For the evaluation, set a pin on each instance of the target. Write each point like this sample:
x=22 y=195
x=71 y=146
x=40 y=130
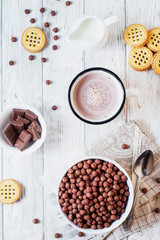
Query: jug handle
x=111 y=20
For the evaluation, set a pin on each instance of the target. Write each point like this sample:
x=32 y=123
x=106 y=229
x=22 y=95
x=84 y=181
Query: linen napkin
x=110 y=146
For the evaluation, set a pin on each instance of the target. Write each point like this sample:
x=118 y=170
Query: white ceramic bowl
x=5 y=117
x=116 y=223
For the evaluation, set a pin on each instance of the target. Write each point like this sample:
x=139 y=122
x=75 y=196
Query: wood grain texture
x=67 y=137
x=65 y=134
x=144 y=109
x=1 y=92
x=22 y=83
x=111 y=56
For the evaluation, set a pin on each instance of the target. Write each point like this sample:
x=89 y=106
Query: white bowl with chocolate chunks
x=22 y=129
x=95 y=195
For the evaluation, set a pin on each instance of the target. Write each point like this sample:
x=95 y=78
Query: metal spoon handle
x=128 y=222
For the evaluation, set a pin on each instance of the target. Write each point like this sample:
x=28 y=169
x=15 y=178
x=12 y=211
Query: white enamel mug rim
x=124 y=215
x=74 y=84
x=5 y=118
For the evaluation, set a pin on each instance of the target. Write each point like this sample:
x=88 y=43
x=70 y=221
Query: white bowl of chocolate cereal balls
x=95 y=195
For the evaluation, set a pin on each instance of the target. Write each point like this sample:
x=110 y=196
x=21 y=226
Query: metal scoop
x=142 y=167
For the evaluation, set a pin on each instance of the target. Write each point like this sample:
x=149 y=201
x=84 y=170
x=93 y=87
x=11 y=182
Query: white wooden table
x=66 y=135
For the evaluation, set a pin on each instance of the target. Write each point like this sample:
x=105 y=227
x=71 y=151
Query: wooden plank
x=22 y=83
x=1 y=97
x=65 y=133
x=111 y=56
x=145 y=109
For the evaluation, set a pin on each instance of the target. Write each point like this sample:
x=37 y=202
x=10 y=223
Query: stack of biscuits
x=144 y=44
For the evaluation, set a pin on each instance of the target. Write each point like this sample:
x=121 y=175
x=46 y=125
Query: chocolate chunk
x=36 y=125
x=34 y=133
x=19 y=126
x=23 y=140
x=22 y=120
x=20 y=145
x=16 y=112
x=10 y=134
x=25 y=136
x=30 y=115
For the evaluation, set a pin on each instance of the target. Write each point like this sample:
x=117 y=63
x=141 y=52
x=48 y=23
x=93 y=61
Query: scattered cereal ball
x=13 y=39
x=43 y=59
x=42 y=10
x=27 y=11
x=68 y=3
x=55 y=29
x=144 y=190
x=54 y=47
x=158 y=180
x=35 y=221
x=48 y=82
x=31 y=57
x=80 y=234
x=11 y=63
x=32 y=20
x=54 y=107
x=46 y=24
x=57 y=235
x=157 y=210
x=125 y=146
x=53 y=13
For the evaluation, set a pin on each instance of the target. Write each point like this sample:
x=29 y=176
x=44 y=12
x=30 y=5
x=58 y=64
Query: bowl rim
x=31 y=148
x=124 y=215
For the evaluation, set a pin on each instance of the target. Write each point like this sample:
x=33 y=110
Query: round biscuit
x=140 y=58
x=156 y=63
x=135 y=35
x=10 y=191
x=34 y=39
x=154 y=39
